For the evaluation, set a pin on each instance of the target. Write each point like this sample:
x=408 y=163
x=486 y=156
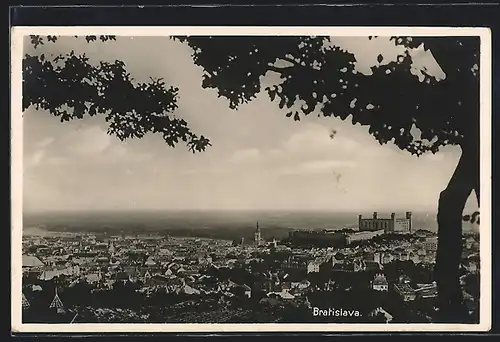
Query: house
x=379 y=283
x=284 y=294
x=247 y=290
x=406 y=292
x=380 y=311
x=387 y=258
x=150 y=262
x=50 y=274
x=313 y=267
x=421 y=252
x=426 y=290
x=472 y=266
x=368 y=256
x=415 y=258
x=93 y=278
x=404 y=279
x=430 y=244
x=338 y=258
x=190 y=290
x=473 y=263
x=405 y=256
x=30 y=262
x=165 y=252
x=469 y=242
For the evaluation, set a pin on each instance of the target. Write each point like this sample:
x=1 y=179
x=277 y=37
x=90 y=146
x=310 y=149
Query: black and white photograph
x=292 y=179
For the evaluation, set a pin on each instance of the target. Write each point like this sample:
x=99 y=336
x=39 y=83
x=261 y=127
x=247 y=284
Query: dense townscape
x=383 y=276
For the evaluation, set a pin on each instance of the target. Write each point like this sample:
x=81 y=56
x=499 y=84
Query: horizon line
x=361 y=211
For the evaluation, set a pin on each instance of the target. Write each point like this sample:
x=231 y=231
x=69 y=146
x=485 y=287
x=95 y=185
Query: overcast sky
x=259 y=159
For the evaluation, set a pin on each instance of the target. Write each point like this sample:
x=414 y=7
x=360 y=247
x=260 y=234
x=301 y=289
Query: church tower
x=57 y=304
x=257 y=236
x=111 y=247
x=26 y=304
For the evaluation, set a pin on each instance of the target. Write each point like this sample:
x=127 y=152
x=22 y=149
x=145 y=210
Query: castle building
x=388 y=225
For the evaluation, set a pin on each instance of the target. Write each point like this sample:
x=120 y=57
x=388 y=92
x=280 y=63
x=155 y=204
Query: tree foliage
x=70 y=87
x=317 y=77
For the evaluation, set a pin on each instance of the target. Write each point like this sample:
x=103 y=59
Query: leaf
x=93 y=110
x=380 y=58
x=475 y=217
x=466 y=218
x=296 y=117
x=282 y=103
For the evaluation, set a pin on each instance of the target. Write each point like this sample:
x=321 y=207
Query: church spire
x=257 y=236
x=26 y=304
x=57 y=303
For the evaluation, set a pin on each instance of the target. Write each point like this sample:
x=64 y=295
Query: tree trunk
x=448 y=258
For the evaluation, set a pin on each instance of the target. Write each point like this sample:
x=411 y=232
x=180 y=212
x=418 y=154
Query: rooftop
x=380 y=280
x=403 y=288
x=31 y=261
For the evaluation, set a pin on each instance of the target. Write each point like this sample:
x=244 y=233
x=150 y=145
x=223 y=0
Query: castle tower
x=57 y=304
x=257 y=236
x=408 y=217
x=26 y=304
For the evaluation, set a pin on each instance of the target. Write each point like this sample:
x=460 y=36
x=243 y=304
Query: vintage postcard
x=251 y=179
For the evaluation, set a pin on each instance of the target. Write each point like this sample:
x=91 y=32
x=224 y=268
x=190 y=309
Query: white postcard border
x=17 y=34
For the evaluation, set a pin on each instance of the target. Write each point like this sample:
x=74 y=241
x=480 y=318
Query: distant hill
x=215 y=224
